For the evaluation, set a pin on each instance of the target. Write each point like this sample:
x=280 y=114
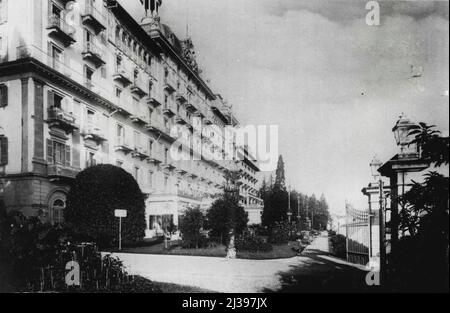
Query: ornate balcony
x=57 y=117
x=138 y=89
x=93 y=53
x=154 y=101
x=59 y=29
x=190 y=106
x=122 y=76
x=179 y=120
x=93 y=18
x=168 y=165
x=140 y=153
x=139 y=119
x=181 y=97
x=58 y=171
x=93 y=133
x=123 y=146
x=168 y=111
x=154 y=158
x=169 y=85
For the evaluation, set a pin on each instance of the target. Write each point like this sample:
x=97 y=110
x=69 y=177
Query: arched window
x=57 y=211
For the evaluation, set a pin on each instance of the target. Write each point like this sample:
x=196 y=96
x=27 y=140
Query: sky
x=334 y=85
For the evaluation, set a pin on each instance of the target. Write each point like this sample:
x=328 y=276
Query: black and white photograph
x=241 y=148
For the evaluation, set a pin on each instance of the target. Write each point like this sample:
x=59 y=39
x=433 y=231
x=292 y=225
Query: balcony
x=190 y=106
x=140 y=153
x=138 y=89
x=59 y=29
x=58 y=171
x=139 y=119
x=154 y=158
x=179 y=120
x=123 y=146
x=168 y=166
x=153 y=101
x=93 y=133
x=93 y=18
x=190 y=194
x=168 y=111
x=169 y=85
x=181 y=97
x=93 y=53
x=121 y=75
x=61 y=119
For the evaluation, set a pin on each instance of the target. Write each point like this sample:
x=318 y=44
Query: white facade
x=87 y=85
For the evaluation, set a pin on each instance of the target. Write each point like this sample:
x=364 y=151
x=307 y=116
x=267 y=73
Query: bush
x=282 y=232
x=191 y=224
x=224 y=215
x=95 y=194
x=338 y=246
x=39 y=252
x=252 y=243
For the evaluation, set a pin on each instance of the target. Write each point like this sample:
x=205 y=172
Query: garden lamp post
x=120 y=214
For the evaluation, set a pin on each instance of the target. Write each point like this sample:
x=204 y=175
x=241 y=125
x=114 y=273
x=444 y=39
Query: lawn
x=278 y=252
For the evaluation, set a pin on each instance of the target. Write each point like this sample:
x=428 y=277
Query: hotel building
x=83 y=83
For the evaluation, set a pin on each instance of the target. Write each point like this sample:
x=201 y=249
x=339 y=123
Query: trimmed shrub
x=191 y=225
x=95 y=194
x=252 y=243
x=282 y=232
x=338 y=246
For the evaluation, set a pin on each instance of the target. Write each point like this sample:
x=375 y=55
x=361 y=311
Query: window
x=58 y=153
x=120 y=135
x=56 y=211
x=150 y=86
x=150 y=147
x=150 y=179
x=88 y=74
x=103 y=71
x=136 y=173
x=118 y=92
x=90 y=159
x=56 y=57
x=166 y=182
x=3 y=150
x=150 y=113
x=166 y=155
x=3 y=95
x=3 y=11
x=137 y=140
x=90 y=117
x=118 y=62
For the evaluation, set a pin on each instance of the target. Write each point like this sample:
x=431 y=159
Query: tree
x=276 y=203
x=95 y=194
x=191 y=225
x=421 y=260
x=225 y=215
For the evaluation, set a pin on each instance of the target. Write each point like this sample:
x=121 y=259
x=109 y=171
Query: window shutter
x=3 y=96
x=3 y=150
x=68 y=162
x=50 y=159
x=50 y=99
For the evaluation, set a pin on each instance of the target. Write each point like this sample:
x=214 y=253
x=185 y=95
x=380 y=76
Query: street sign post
x=120 y=214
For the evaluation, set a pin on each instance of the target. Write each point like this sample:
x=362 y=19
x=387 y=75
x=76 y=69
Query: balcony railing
x=122 y=145
x=61 y=171
x=94 y=18
x=61 y=30
x=122 y=75
x=140 y=119
x=57 y=117
x=94 y=133
x=93 y=53
x=138 y=88
x=140 y=153
x=170 y=84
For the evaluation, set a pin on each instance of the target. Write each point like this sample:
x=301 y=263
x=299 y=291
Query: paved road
x=315 y=270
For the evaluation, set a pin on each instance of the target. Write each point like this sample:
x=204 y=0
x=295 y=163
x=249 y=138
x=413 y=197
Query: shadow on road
x=318 y=275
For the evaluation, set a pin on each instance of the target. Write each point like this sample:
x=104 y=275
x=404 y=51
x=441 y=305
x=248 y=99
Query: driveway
x=315 y=268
